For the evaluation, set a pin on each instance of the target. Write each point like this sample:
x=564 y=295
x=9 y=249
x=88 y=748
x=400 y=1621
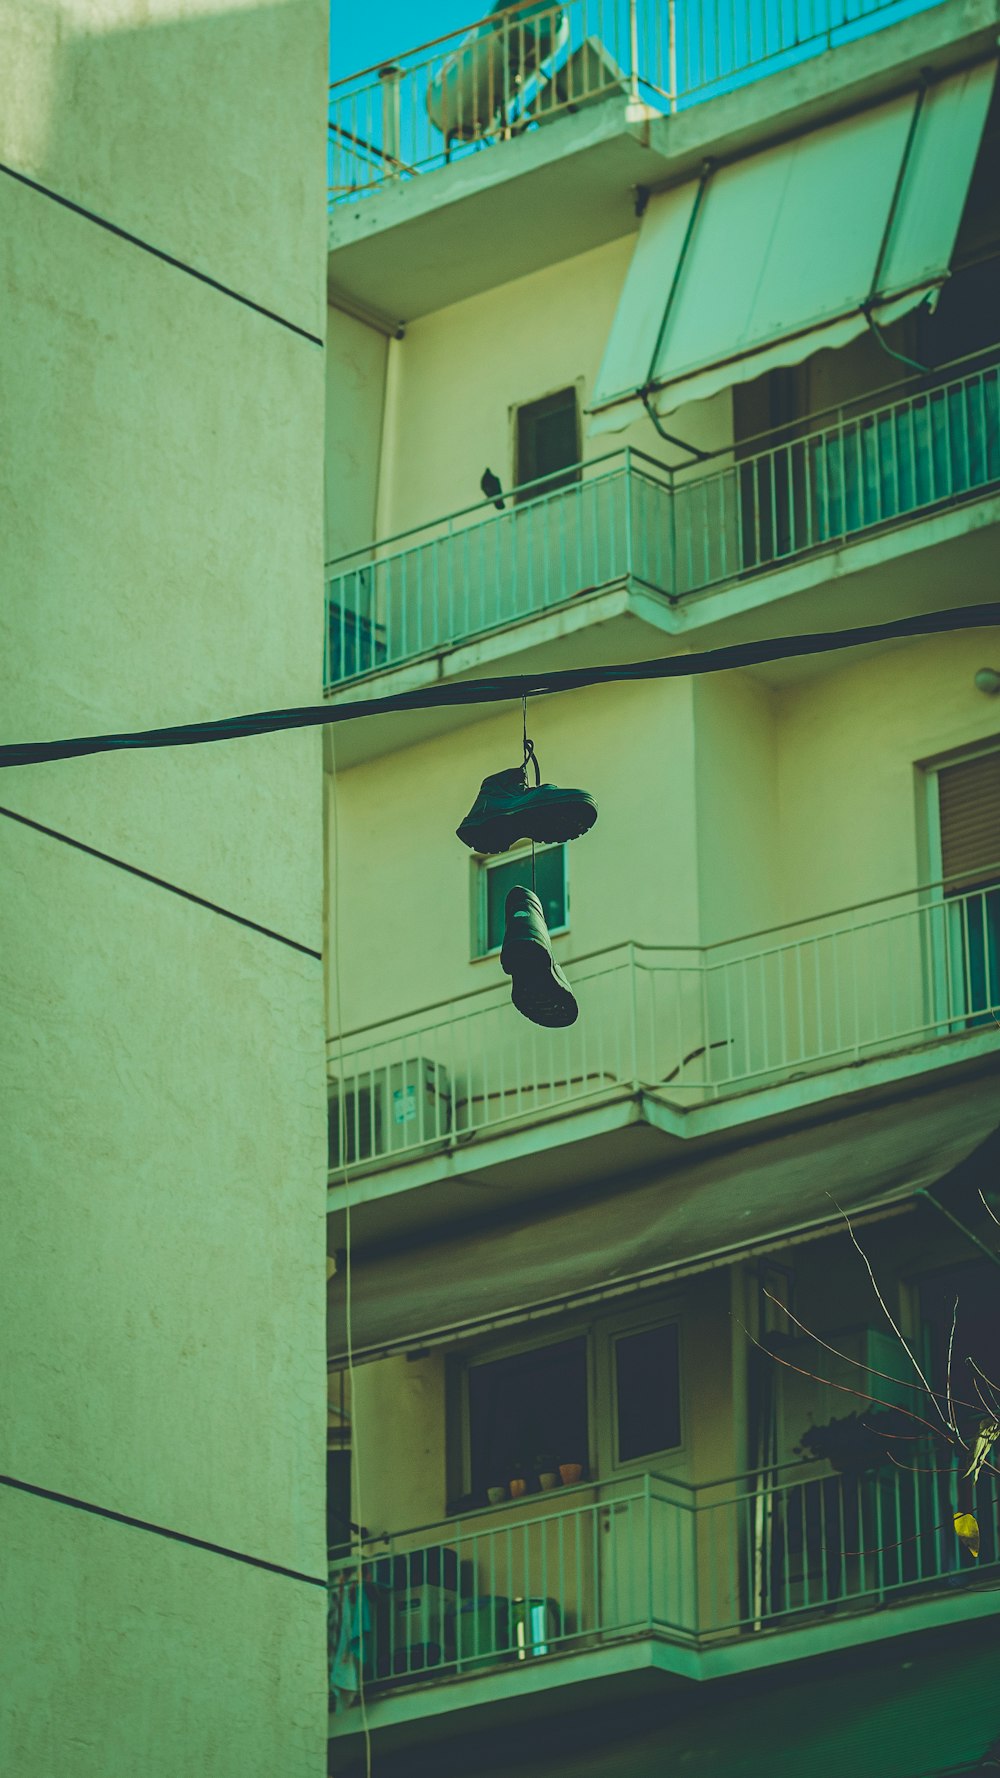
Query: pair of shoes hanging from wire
x=506 y=810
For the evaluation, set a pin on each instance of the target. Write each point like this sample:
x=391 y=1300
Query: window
x=525 y=1407
x=966 y=804
x=495 y=876
x=548 y=444
x=647 y=1392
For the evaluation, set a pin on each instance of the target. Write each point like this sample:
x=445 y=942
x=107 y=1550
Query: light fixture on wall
x=988 y=680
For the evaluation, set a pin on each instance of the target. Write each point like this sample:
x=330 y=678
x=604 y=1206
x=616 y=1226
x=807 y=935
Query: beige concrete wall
x=463 y=370
x=848 y=746
x=405 y=932
x=162 y=560
x=736 y=794
x=355 y=393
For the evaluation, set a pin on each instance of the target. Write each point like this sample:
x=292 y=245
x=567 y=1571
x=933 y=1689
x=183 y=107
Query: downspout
x=387 y=452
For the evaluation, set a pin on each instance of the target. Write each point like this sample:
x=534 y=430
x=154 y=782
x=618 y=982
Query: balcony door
x=964 y=825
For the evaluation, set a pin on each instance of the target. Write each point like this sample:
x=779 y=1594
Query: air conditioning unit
x=387 y=1109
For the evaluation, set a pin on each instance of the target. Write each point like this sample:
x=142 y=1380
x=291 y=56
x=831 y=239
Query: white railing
x=686 y=1025
x=650 y=1556
x=533 y=60
x=628 y=519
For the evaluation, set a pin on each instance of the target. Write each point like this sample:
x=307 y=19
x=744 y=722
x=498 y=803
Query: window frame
x=600 y=1334
x=929 y=833
x=575 y=388
x=482 y=864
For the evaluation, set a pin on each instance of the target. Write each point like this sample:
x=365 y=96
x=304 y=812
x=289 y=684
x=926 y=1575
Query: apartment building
x=720 y=315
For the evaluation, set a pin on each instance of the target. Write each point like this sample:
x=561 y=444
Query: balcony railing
x=629 y=520
x=531 y=61
x=688 y=1025
x=652 y=1557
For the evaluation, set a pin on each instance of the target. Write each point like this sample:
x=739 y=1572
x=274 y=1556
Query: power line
x=508 y=689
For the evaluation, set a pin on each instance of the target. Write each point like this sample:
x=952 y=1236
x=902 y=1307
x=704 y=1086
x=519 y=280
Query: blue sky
x=363 y=33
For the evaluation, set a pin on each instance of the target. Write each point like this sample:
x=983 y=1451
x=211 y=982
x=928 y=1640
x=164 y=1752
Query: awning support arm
x=922 y=1192
x=872 y=297
x=698 y=456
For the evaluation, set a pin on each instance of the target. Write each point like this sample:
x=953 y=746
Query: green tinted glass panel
x=648 y=1379
x=550 y=887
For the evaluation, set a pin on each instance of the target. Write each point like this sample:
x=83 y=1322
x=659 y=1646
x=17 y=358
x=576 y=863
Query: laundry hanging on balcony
x=763 y=261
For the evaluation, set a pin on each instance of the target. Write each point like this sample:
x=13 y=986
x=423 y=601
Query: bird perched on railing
x=491 y=487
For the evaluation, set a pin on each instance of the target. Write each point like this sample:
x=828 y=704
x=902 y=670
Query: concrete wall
x=161 y=561
x=463 y=370
x=356 y=358
x=404 y=879
x=848 y=745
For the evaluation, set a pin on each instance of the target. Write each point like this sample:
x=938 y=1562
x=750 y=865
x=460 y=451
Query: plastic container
x=483 y=1632
x=535 y=1626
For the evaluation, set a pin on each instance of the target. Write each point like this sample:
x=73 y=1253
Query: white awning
x=708 y=1212
x=768 y=259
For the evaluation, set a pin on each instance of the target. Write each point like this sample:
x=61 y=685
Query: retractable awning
x=767 y=259
x=698 y=1215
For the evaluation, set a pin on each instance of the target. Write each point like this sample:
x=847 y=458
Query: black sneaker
x=506 y=810
x=538 y=987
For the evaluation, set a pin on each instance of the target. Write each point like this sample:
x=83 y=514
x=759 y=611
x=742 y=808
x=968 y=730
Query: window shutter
x=969 y=803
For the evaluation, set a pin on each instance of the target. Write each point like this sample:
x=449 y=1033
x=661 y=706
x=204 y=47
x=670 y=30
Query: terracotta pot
x=571 y=1472
x=548 y=1479
x=518 y=1486
x=495 y=1495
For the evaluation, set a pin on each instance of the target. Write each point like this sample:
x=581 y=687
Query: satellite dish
x=474 y=86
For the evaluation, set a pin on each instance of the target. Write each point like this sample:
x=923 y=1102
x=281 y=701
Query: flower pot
x=549 y=1478
x=518 y=1486
x=496 y=1495
x=571 y=1472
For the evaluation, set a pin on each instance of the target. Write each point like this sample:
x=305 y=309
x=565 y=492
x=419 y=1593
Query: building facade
x=164 y=1123
x=612 y=1389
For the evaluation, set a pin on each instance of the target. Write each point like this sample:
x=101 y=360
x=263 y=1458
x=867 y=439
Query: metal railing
x=688 y=1025
x=534 y=60
x=649 y=1556
x=628 y=519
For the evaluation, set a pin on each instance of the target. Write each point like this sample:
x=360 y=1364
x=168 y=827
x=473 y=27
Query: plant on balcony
x=854 y=1444
x=518 y=1471
x=571 y=1471
x=547 y=1471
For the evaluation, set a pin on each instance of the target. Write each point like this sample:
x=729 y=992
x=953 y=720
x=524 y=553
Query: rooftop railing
x=688 y=1025
x=649 y=1556
x=626 y=519
x=532 y=61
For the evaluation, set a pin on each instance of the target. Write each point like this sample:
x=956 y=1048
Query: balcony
x=631 y=538
x=597 y=1583
x=875 y=991
x=529 y=64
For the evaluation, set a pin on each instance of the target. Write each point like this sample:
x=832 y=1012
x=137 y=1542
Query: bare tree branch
x=885 y=1310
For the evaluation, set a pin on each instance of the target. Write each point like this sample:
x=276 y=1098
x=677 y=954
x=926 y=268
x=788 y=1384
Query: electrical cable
x=508 y=689
x=180 y=265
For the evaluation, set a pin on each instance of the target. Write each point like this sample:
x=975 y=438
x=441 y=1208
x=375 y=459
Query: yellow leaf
x=967 y=1532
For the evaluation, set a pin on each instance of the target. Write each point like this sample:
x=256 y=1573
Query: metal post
x=672 y=54
x=633 y=50
x=390 y=76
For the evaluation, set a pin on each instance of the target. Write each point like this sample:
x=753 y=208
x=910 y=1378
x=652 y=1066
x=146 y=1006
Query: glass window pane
x=648 y=1379
x=547 y=440
x=526 y=1407
x=550 y=887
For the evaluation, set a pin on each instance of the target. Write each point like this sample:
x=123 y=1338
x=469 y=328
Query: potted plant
x=854 y=1444
x=518 y=1480
x=571 y=1471
x=496 y=1492
x=547 y=1471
